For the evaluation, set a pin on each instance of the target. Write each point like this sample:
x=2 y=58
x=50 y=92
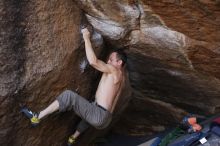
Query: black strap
x=100 y=106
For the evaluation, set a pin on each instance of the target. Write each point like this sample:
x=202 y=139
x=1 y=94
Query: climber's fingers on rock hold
x=85 y=30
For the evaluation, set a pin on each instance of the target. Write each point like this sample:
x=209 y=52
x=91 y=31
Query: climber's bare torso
x=109 y=89
x=110 y=83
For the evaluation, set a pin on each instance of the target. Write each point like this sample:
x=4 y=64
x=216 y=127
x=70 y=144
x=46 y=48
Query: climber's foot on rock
x=31 y=115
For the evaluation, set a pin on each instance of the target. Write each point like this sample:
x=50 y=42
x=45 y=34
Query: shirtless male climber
x=98 y=113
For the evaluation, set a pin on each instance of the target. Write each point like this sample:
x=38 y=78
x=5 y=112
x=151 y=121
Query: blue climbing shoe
x=71 y=141
x=31 y=115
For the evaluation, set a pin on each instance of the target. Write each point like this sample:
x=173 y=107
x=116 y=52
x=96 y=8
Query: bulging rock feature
x=166 y=49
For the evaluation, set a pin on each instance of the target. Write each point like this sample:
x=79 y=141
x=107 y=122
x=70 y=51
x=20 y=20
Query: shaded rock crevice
x=12 y=62
x=12 y=40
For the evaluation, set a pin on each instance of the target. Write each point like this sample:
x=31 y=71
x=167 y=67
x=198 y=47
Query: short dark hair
x=121 y=55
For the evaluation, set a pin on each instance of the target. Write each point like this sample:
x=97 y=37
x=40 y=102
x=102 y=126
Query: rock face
x=41 y=56
x=173 y=61
x=178 y=45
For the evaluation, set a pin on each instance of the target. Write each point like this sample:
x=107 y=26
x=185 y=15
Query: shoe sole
x=27 y=113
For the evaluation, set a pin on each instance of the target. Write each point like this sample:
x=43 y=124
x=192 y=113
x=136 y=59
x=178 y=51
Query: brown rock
x=181 y=59
x=173 y=49
x=41 y=55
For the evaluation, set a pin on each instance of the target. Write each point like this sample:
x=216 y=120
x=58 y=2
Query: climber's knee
x=65 y=100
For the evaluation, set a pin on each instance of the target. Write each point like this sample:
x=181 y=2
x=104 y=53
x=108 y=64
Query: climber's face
x=114 y=60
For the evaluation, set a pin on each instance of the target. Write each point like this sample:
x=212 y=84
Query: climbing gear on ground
x=31 y=115
x=174 y=134
x=190 y=122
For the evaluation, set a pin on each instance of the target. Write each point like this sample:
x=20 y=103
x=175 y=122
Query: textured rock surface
x=178 y=45
x=41 y=55
x=174 y=58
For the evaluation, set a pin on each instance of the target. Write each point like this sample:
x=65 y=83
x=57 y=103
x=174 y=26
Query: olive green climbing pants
x=91 y=113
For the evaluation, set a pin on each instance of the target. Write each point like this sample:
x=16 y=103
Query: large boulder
x=42 y=55
x=173 y=62
x=178 y=45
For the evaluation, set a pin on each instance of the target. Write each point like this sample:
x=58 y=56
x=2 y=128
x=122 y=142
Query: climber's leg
x=35 y=117
x=50 y=109
x=82 y=127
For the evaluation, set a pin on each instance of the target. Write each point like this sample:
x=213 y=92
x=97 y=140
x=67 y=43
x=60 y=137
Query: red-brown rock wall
x=173 y=62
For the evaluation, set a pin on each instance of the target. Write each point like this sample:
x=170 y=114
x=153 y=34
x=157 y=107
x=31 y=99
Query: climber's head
x=117 y=58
